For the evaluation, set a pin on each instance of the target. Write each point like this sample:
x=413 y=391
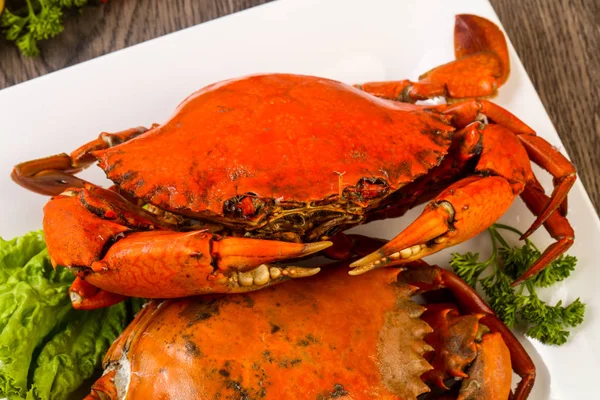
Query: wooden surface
x=557 y=40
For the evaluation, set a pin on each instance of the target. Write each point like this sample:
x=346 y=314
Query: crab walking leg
x=428 y=277
x=557 y=226
x=104 y=388
x=549 y=158
x=52 y=175
x=466 y=112
x=481 y=66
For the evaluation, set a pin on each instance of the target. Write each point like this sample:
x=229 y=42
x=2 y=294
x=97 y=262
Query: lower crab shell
x=332 y=337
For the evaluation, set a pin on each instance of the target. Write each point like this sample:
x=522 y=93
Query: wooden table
x=558 y=42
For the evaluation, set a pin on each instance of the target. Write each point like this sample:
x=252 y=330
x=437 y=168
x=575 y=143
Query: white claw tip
x=311 y=248
x=75 y=297
x=362 y=269
x=299 y=272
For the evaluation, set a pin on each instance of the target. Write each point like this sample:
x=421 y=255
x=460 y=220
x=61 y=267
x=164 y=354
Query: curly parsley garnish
x=521 y=304
x=37 y=20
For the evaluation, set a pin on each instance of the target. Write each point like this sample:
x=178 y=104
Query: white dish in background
x=340 y=39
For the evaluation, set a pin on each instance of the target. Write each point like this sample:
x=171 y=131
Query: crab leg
x=556 y=224
x=549 y=158
x=52 y=175
x=481 y=66
x=465 y=112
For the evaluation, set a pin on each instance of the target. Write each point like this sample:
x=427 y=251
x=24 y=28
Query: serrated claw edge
x=402 y=345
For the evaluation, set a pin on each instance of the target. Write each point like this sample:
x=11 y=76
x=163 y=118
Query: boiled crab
x=248 y=169
x=328 y=337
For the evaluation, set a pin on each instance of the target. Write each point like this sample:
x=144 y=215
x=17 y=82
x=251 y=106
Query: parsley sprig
x=37 y=20
x=521 y=304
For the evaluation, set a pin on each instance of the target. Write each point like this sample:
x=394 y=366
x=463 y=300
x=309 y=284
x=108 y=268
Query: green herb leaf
x=13 y=24
x=39 y=20
x=548 y=324
x=468 y=267
x=557 y=271
x=46 y=24
x=27 y=45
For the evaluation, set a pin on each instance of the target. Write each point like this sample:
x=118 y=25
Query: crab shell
x=327 y=338
x=283 y=139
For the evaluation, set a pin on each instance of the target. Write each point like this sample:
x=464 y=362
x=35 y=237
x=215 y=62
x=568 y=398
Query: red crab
x=248 y=169
x=321 y=338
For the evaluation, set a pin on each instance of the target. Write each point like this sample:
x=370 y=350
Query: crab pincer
x=97 y=233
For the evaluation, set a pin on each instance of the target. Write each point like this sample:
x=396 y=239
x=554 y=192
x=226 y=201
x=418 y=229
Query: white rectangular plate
x=352 y=41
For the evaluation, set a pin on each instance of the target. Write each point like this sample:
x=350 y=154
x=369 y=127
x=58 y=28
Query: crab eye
x=370 y=188
x=243 y=206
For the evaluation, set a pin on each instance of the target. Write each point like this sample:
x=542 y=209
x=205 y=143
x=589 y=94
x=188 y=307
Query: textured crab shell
x=332 y=337
x=289 y=137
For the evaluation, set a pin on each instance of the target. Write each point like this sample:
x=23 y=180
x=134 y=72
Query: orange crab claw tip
x=244 y=254
x=474 y=34
x=270 y=250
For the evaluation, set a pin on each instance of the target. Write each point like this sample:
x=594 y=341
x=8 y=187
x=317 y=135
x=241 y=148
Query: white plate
x=341 y=39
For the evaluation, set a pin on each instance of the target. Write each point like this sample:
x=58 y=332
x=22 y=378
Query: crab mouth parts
x=287 y=221
x=266 y=274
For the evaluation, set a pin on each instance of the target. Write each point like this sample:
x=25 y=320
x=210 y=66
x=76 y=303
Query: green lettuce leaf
x=72 y=355
x=15 y=253
x=33 y=300
x=47 y=348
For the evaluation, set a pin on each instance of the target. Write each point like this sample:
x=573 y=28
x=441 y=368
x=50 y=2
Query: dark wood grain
x=558 y=42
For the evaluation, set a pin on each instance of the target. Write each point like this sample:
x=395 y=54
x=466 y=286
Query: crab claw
x=409 y=245
x=165 y=264
x=463 y=210
x=480 y=68
x=100 y=240
x=481 y=64
x=473 y=34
